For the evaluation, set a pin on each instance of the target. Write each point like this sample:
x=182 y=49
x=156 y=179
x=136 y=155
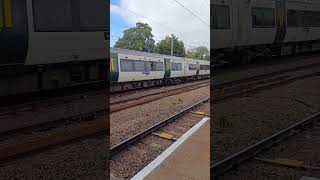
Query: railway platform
x=187 y=158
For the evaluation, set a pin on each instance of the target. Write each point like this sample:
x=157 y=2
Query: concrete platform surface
x=189 y=160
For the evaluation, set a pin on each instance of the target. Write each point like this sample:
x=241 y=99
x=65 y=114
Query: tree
x=164 y=47
x=138 y=38
x=200 y=52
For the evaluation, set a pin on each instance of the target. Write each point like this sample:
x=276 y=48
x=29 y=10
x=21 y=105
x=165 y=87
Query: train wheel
x=267 y=54
x=246 y=57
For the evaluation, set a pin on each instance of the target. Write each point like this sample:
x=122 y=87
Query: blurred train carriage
x=244 y=29
x=133 y=69
x=50 y=44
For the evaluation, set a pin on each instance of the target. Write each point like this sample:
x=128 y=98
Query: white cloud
x=168 y=17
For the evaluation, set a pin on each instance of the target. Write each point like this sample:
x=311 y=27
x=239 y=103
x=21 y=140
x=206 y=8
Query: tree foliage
x=164 y=47
x=200 y=52
x=139 y=38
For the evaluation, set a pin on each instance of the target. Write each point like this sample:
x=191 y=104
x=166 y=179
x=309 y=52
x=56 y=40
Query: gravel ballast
x=240 y=122
x=129 y=122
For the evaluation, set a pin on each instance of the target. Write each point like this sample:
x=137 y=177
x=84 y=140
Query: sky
x=165 y=17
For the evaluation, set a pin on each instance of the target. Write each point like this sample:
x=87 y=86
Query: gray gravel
x=129 y=122
x=241 y=122
x=45 y=112
x=304 y=146
x=129 y=162
x=87 y=159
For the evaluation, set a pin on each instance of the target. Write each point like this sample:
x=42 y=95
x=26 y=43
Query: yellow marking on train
x=111 y=65
x=6 y=14
x=1 y=15
x=7 y=5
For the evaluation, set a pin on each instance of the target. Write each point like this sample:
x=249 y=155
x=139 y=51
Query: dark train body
x=46 y=44
x=244 y=29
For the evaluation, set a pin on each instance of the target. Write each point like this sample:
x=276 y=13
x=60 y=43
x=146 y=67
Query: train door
x=167 y=68
x=281 y=20
x=114 y=68
x=13 y=32
x=198 y=68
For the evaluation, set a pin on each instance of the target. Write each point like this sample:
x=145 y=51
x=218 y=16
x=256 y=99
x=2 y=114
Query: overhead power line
x=151 y=20
x=192 y=13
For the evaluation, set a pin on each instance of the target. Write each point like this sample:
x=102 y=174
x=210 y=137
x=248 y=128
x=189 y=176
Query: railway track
x=238 y=158
x=134 y=101
x=71 y=92
x=41 y=136
x=258 y=83
x=185 y=118
x=117 y=106
x=126 y=143
x=269 y=80
x=76 y=131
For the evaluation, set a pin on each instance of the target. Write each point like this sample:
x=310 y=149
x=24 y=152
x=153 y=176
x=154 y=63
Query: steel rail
x=266 y=75
x=197 y=85
x=128 y=142
x=236 y=159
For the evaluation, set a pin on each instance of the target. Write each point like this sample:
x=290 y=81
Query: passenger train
x=49 y=44
x=133 y=69
x=243 y=29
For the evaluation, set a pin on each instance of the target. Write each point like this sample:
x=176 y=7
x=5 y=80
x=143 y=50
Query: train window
x=52 y=15
x=176 y=66
x=126 y=65
x=5 y=14
x=204 y=67
x=192 y=67
x=299 y=18
x=69 y=15
x=154 y=66
x=157 y=66
x=138 y=65
x=313 y=18
x=221 y=17
x=296 y=18
x=263 y=17
x=93 y=15
x=149 y=65
x=316 y=19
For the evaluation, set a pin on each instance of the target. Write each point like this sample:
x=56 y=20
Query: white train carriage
x=140 y=68
x=177 y=67
x=242 y=23
x=133 y=69
x=191 y=67
x=243 y=29
x=196 y=68
x=204 y=69
x=50 y=44
x=303 y=24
